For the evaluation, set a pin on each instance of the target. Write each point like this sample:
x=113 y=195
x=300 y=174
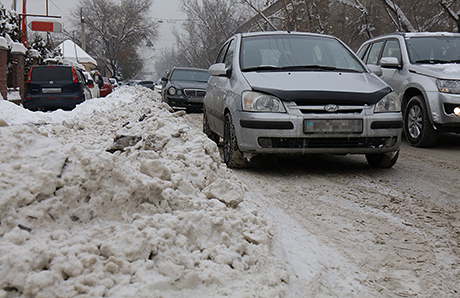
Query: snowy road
x=393 y=232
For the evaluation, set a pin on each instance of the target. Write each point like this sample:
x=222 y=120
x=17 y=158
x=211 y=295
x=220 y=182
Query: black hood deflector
x=327 y=97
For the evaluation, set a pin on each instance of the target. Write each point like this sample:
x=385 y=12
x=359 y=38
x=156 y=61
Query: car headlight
x=448 y=86
x=172 y=91
x=390 y=103
x=260 y=102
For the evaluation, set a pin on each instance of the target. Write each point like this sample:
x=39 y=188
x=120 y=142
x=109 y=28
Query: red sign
x=45 y=26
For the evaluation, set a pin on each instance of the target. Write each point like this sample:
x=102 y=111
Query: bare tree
x=209 y=23
x=448 y=6
x=307 y=16
x=116 y=29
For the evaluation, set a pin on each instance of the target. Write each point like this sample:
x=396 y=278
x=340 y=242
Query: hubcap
x=414 y=122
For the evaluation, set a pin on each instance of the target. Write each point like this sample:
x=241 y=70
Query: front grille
x=194 y=92
x=321 y=109
x=329 y=143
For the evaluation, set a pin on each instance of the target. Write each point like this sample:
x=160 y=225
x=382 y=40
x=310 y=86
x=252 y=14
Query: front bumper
x=185 y=102
x=442 y=111
x=284 y=133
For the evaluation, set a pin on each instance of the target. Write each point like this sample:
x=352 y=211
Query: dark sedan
x=185 y=88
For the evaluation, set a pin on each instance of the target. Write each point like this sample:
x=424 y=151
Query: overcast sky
x=166 y=10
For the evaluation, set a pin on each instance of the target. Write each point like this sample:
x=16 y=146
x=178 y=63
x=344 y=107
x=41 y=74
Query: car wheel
x=207 y=130
x=417 y=127
x=233 y=157
x=382 y=160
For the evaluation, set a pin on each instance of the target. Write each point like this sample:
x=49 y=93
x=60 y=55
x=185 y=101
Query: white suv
x=423 y=69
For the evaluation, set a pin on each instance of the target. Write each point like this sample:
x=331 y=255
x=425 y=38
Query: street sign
x=45 y=26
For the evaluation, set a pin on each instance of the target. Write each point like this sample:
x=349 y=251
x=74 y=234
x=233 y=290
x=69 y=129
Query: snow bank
x=154 y=214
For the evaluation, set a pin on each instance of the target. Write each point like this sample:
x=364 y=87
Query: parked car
x=423 y=69
x=106 y=87
x=298 y=93
x=114 y=83
x=92 y=85
x=52 y=87
x=185 y=88
x=147 y=84
x=158 y=86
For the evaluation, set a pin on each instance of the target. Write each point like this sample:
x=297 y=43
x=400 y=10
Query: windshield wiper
x=260 y=68
x=432 y=61
x=299 y=67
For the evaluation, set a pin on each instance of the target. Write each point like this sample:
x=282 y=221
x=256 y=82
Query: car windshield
x=296 y=52
x=190 y=75
x=433 y=49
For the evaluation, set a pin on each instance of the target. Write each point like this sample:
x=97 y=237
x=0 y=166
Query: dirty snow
x=162 y=217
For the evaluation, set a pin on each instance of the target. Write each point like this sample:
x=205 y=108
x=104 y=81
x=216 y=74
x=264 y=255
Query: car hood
x=320 y=87
x=442 y=71
x=189 y=84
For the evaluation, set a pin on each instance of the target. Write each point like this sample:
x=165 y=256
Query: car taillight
x=30 y=75
x=90 y=85
x=74 y=75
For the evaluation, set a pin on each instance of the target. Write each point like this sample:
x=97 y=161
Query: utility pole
x=24 y=24
x=83 y=34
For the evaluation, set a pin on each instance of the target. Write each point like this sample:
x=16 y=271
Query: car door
x=391 y=75
x=215 y=106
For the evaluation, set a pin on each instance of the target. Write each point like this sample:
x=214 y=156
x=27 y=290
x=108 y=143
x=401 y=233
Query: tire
x=382 y=160
x=233 y=157
x=207 y=130
x=418 y=129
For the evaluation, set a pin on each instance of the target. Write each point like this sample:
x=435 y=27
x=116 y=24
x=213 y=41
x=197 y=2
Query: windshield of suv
x=190 y=75
x=433 y=49
x=296 y=52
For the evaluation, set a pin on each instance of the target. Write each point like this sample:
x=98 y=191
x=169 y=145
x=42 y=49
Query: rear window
x=51 y=74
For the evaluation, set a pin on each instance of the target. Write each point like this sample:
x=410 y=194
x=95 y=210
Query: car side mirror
x=219 y=70
x=375 y=69
x=164 y=79
x=390 y=62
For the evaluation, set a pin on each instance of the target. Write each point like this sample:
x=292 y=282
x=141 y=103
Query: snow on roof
x=72 y=51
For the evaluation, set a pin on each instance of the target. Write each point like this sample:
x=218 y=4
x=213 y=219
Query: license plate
x=51 y=90
x=332 y=126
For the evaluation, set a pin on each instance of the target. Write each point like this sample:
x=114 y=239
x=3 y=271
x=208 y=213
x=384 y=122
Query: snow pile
x=153 y=214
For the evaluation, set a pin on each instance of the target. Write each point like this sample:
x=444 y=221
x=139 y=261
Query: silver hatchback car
x=298 y=93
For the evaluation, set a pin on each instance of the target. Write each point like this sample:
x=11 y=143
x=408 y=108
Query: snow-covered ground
x=123 y=197
x=155 y=214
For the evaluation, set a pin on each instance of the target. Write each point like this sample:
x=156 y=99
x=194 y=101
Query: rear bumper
x=51 y=103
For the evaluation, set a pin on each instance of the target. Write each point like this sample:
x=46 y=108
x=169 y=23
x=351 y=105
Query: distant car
x=106 y=87
x=114 y=83
x=185 y=88
x=147 y=84
x=424 y=69
x=51 y=87
x=298 y=93
x=158 y=86
x=92 y=85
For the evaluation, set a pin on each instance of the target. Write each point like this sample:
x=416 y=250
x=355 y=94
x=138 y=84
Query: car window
x=190 y=75
x=362 y=51
x=222 y=52
x=392 y=49
x=291 y=51
x=51 y=73
x=374 y=53
x=229 y=56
